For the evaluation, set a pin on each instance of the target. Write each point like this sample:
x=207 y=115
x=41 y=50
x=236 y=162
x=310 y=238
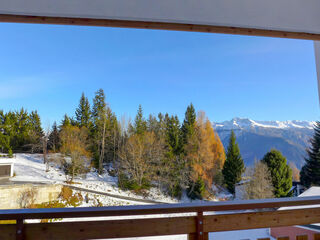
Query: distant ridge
x=256 y=138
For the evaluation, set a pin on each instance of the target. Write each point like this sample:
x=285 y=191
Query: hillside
x=256 y=138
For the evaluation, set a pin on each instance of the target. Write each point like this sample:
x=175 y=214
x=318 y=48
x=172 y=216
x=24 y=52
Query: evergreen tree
x=54 y=138
x=189 y=124
x=98 y=132
x=174 y=168
x=233 y=167
x=112 y=135
x=83 y=113
x=190 y=150
x=140 y=124
x=35 y=132
x=281 y=173
x=310 y=172
x=66 y=121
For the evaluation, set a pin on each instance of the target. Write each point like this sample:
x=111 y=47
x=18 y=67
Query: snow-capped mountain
x=255 y=138
x=245 y=123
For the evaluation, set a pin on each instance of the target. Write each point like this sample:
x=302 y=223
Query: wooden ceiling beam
x=157 y=26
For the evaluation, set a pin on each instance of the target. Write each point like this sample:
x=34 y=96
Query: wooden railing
x=195 y=220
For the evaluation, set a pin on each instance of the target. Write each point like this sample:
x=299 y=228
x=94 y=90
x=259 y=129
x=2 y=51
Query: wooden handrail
x=155 y=209
x=227 y=216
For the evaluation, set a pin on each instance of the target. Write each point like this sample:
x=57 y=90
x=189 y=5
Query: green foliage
x=20 y=131
x=10 y=153
x=233 y=167
x=66 y=121
x=281 y=174
x=129 y=184
x=310 y=172
x=98 y=130
x=54 y=142
x=189 y=124
x=173 y=158
x=140 y=124
x=83 y=112
x=198 y=190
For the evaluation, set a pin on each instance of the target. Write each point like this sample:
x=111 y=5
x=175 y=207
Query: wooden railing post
x=20 y=229
x=200 y=234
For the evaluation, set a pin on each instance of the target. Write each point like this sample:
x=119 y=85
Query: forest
x=176 y=157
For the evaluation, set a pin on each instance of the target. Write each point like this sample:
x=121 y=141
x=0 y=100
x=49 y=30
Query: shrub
x=126 y=183
x=10 y=153
x=66 y=193
x=198 y=190
x=75 y=200
x=27 y=198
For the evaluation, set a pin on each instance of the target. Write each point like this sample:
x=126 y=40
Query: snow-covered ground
x=30 y=168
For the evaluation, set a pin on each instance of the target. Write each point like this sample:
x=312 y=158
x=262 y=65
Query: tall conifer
x=233 y=167
x=83 y=113
x=280 y=171
x=99 y=111
x=310 y=172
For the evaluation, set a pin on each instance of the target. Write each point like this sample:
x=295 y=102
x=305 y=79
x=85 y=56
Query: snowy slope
x=30 y=168
x=245 y=123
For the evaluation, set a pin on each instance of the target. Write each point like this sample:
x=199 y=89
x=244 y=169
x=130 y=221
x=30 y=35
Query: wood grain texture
x=110 y=229
x=8 y=232
x=229 y=222
x=154 y=209
x=157 y=25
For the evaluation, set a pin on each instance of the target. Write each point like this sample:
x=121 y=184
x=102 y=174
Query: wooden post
x=20 y=230
x=200 y=235
x=200 y=226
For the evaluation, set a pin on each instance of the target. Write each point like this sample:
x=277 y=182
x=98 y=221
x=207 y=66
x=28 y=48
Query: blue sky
x=47 y=67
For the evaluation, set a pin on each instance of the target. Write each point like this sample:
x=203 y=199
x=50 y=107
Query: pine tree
x=174 y=168
x=35 y=132
x=233 y=167
x=189 y=124
x=83 y=113
x=99 y=111
x=140 y=124
x=281 y=173
x=54 y=138
x=66 y=121
x=310 y=172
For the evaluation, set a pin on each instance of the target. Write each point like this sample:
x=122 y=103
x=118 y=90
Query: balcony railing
x=195 y=220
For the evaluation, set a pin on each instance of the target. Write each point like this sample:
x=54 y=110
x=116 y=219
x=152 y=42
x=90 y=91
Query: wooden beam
x=8 y=231
x=157 y=25
x=281 y=218
x=164 y=226
x=110 y=229
x=154 y=209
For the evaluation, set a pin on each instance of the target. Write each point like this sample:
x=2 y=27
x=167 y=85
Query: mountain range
x=256 y=138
